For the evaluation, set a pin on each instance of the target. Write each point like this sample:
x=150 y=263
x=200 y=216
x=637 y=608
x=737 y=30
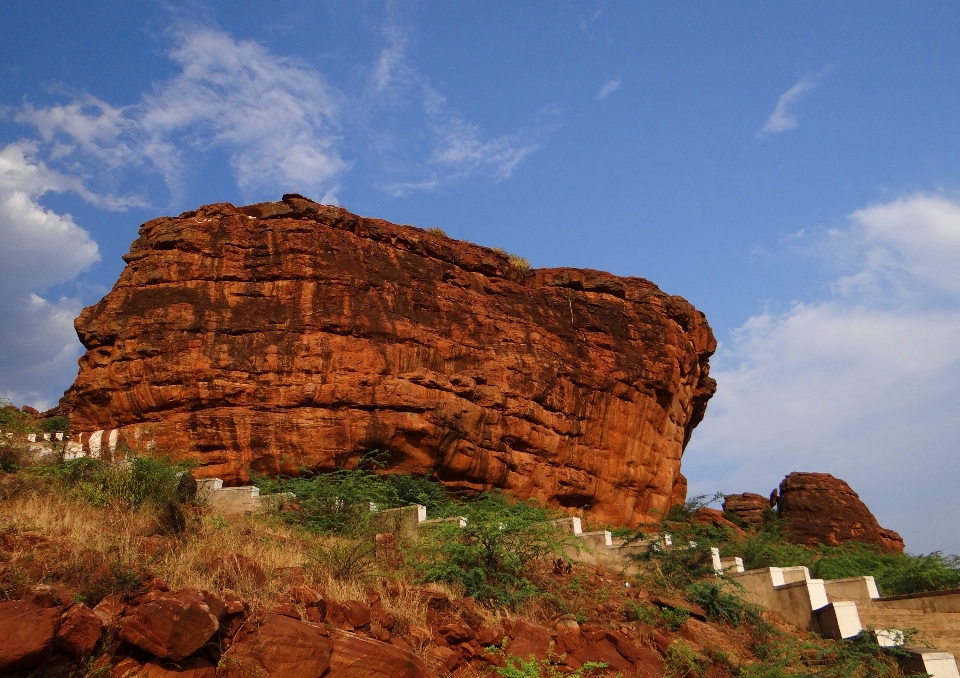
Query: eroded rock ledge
x=285 y=335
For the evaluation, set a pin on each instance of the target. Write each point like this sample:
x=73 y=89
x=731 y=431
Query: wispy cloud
x=783 y=117
x=862 y=383
x=276 y=118
x=609 y=87
x=431 y=143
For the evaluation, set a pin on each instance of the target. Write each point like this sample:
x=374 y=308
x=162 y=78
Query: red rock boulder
x=287 y=335
x=173 y=626
x=748 y=507
x=281 y=647
x=79 y=632
x=26 y=635
x=356 y=657
x=820 y=509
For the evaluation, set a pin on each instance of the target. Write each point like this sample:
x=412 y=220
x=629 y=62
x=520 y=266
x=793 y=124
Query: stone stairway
x=938 y=629
x=841 y=608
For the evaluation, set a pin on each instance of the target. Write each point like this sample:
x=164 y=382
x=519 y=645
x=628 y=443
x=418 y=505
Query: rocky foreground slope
x=285 y=335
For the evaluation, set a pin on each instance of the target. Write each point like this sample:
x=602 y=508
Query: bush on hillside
x=492 y=556
x=139 y=480
x=338 y=501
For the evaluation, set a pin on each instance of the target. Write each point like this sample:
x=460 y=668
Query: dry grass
x=60 y=540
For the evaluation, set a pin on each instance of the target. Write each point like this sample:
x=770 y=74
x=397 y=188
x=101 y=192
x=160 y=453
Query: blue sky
x=791 y=169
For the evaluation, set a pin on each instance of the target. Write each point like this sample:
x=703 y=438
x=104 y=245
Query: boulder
x=26 y=634
x=173 y=626
x=285 y=335
x=79 y=632
x=528 y=639
x=356 y=657
x=820 y=509
x=110 y=610
x=748 y=507
x=281 y=647
x=348 y=614
x=599 y=646
x=456 y=632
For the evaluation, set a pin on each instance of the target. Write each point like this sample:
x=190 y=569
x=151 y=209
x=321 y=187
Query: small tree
x=491 y=556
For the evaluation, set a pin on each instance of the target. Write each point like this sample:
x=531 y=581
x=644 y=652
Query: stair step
x=939 y=629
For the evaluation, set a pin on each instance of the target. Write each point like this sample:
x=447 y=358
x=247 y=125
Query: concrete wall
x=934 y=601
x=860 y=589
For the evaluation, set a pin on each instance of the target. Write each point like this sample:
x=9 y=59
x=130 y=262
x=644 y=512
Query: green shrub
x=418 y=490
x=674 y=618
x=682 y=661
x=519 y=263
x=137 y=481
x=436 y=230
x=896 y=573
x=12 y=455
x=531 y=667
x=640 y=612
x=719 y=603
x=337 y=502
x=491 y=555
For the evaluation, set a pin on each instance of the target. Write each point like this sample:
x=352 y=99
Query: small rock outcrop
x=820 y=509
x=286 y=335
x=748 y=507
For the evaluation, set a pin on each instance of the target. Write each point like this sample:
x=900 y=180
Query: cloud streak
x=784 y=118
x=862 y=384
x=609 y=87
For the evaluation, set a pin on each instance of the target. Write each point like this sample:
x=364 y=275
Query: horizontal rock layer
x=286 y=335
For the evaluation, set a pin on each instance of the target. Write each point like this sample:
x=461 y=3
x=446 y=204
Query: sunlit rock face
x=291 y=335
x=820 y=509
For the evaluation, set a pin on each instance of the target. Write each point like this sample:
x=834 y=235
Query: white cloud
x=277 y=119
x=864 y=384
x=783 y=118
x=460 y=147
x=609 y=87
x=457 y=147
x=38 y=248
x=279 y=122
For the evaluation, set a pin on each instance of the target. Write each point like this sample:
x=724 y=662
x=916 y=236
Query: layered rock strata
x=820 y=509
x=286 y=335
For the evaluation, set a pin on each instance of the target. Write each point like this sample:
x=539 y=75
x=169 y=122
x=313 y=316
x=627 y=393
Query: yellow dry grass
x=66 y=537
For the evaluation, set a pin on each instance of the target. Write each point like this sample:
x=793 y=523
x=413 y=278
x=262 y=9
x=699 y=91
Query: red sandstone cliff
x=286 y=335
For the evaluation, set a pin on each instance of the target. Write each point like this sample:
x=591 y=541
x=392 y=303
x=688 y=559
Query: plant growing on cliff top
x=491 y=555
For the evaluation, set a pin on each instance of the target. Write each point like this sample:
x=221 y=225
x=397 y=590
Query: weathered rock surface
x=290 y=334
x=80 y=631
x=280 y=648
x=26 y=634
x=357 y=657
x=748 y=507
x=821 y=509
x=173 y=626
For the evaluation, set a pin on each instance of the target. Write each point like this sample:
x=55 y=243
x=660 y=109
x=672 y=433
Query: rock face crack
x=275 y=336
